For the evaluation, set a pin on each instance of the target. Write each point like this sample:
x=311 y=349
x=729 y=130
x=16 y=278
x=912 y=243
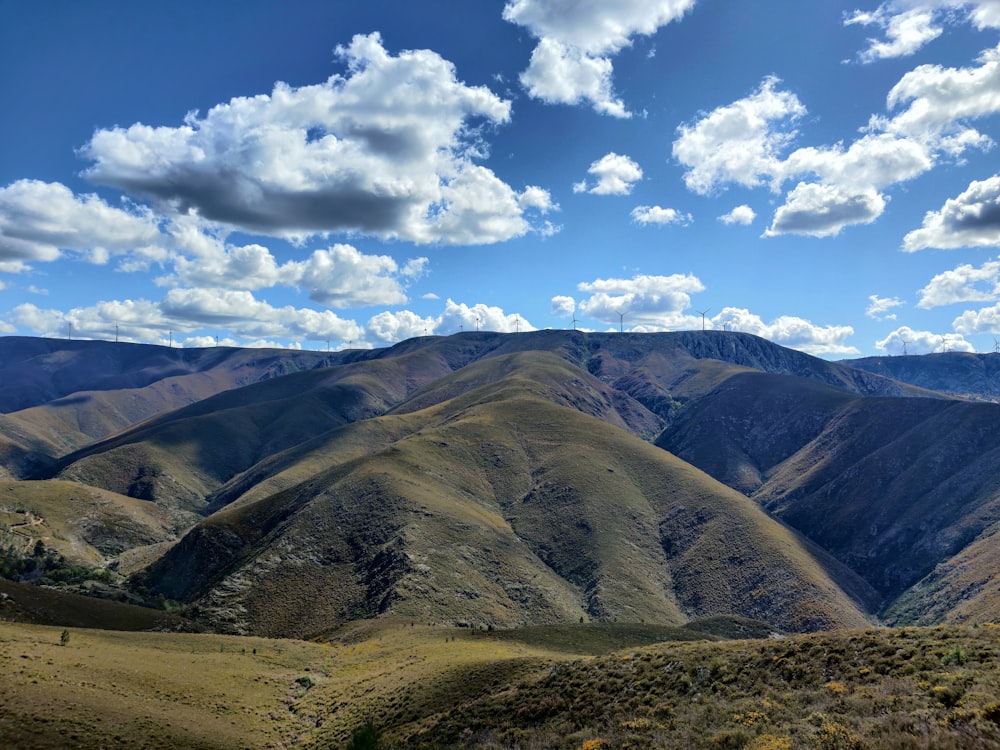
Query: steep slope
x=964 y=588
x=891 y=487
x=501 y=506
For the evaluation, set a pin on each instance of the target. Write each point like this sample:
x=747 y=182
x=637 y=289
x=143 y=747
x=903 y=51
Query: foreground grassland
x=590 y=687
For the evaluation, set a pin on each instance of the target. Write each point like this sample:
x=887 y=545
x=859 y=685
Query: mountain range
x=501 y=480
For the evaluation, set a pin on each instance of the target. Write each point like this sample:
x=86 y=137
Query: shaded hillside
x=963 y=588
x=502 y=506
x=891 y=487
x=958 y=373
x=35 y=371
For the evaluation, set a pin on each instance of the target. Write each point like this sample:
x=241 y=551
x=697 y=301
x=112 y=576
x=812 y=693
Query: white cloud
x=744 y=142
x=790 y=331
x=962 y=284
x=970 y=220
x=906 y=31
x=941 y=98
x=386 y=150
x=904 y=340
x=986 y=320
x=616 y=174
x=879 y=307
x=910 y=24
x=739 y=142
x=572 y=62
x=563 y=306
x=390 y=327
x=461 y=316
x=649 y=302
x=823 y=210
x=339 y=276
x=184 y=311
x=740 y=215
x=38 y=220
x=659 y=215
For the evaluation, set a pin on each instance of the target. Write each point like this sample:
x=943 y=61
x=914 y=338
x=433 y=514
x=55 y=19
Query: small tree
x=64 y=638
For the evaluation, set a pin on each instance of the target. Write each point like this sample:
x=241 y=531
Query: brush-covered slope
x=498 y=501
x=964 y=588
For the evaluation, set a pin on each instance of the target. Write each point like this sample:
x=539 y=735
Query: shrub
x=365 y=737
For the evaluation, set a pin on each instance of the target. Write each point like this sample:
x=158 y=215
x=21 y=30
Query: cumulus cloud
x=740 y=215
x=184 y=311
x=563 y=306
x=985 y=320
x=972 y=219
x=659 y=215
x=790 y=331
x=962 y=284
x=823 y=210
x=836 y=186
x=906 y=30
x=615 y=173
x=879 y=307
x=739 y=142
x=940 y=99
x=339 y=276
x=392 y=326
x=39 y=220
x=904 y=340
x=645 y=302
x=910 y=24
x=572 y=62
x=387 y=149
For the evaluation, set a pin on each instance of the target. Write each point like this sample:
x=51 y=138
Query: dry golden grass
x=431 y=687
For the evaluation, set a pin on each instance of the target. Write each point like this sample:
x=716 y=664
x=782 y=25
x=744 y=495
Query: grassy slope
x=88 y=526
x=40 y=605
x=500 y=506
x=421 y=686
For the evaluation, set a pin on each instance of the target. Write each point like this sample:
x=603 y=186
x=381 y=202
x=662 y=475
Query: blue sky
x=336 y=174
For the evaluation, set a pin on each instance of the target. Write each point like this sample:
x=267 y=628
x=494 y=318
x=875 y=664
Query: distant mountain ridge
x=965 y=374
x=510 y=479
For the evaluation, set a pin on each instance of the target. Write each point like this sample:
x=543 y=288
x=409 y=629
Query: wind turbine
x=996 y=345
x=621 y=321
x=905 y=342
x=702 y=314
x=574 y=321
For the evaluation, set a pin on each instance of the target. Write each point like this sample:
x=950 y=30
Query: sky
x=325 y=174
